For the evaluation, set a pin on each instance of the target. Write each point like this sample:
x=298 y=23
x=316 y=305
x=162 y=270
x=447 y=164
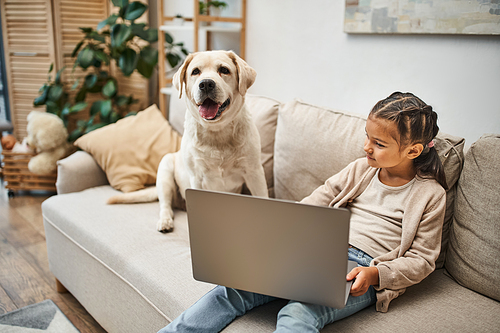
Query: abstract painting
x=475 y=17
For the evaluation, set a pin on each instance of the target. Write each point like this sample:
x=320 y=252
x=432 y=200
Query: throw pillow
x=472 y=257
x=130 y=150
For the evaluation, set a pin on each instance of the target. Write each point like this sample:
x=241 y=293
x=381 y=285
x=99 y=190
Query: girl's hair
x=416 y=123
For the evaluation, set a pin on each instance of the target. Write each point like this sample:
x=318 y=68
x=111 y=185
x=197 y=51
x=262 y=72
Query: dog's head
x=215 y=83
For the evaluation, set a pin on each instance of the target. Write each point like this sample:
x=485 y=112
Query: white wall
x=299 y=50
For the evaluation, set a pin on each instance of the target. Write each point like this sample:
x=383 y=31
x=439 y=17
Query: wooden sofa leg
x=60 y=288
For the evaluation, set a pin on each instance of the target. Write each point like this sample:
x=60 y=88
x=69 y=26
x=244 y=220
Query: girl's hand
x=365 y=277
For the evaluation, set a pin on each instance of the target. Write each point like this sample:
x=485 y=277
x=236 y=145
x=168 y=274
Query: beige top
x=415 y=256
x=377 y=216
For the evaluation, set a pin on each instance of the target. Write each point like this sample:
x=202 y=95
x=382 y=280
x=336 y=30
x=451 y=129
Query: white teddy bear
x=48 y=136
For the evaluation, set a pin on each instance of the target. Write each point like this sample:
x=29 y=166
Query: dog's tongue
x=208 y=109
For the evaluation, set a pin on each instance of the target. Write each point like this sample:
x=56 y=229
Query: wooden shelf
x=202 y=29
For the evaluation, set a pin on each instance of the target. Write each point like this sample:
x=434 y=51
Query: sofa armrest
x=78 y=172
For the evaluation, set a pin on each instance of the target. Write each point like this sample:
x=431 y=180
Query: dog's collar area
x=210 y=110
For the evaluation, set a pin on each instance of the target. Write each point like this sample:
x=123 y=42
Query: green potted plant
x=216 y=7
x=116 y=39
x=203 y=7
x=178 y=19
x=174 y=53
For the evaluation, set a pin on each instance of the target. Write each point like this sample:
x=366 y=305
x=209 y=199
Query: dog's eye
x=196 y=71
x=224 y=70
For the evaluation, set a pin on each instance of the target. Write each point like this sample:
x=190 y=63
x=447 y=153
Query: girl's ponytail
x=428 y=164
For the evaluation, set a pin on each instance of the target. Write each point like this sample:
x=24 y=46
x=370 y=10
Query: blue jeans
x=220 y=306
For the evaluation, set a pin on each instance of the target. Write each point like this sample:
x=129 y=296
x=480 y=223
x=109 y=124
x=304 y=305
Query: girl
x=397 y=200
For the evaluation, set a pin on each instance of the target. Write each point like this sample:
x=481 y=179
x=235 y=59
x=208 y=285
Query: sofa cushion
x=331 y=139
x=125 y=240
x=130 y=150
x=472 y=257
x=312 y=144
x=265 y=115
x=451 y=151
x=437 y=304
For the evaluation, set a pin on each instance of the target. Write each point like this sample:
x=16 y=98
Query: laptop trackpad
x=350 y=266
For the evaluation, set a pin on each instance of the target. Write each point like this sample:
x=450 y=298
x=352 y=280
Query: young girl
x=396 y=195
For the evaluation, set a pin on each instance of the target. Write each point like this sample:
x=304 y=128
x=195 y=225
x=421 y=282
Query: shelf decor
x=473 y=17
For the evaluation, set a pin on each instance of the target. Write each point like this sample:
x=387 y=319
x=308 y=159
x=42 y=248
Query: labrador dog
x=220 y=147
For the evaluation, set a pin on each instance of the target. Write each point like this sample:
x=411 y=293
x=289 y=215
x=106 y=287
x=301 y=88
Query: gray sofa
x=132 y=278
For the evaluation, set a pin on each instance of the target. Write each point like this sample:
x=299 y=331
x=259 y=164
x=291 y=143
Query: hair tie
x=430 y=144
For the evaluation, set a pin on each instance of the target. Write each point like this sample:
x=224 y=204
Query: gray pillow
x=473 y=253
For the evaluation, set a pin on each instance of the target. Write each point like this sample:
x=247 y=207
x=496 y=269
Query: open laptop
x=268 y=246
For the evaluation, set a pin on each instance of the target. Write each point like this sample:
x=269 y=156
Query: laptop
x=268 y=246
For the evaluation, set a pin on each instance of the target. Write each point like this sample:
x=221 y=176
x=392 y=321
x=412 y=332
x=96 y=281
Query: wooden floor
x=25 y=277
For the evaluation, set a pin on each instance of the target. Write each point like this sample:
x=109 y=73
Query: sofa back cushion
x=264 y=113
x=314 y=143
x=472 y=257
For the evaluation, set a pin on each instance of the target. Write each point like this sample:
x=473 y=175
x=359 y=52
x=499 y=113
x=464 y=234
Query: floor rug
x=41 y=317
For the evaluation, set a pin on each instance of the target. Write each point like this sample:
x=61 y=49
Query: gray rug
x=41 y=317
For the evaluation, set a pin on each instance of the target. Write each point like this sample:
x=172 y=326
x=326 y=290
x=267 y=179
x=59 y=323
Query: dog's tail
x=148 y=194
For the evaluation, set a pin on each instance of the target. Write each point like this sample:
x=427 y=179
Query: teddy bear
x=48 y=136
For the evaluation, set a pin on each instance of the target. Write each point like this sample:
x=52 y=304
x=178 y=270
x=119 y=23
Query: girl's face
x=382 y=149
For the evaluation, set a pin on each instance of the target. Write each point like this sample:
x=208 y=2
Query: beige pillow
x=264 y=113
x=472 y=257
x=130 y=150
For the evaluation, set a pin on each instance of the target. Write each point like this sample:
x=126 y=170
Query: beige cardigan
x=414 y=259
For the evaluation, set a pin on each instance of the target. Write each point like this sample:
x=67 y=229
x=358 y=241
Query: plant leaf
x=58 y=75
x=55 y=93
x=75 y=135
x=150 y=55
x=119 y=34
x=173 y=59
x=52 y=107
x=109 y=89
x=86 y=57
x=51 y=67
x=86 y=30
x=95 y=108
x=102 y=56
x=168 y=38
x=144 y=68
x=109 y=21
x=82 y=93
x=78 y=107
x=128 y=61
x=120 y=3
x=76 y=49
x=121 y=100
x=138 y=28
x=90 y=80
x=40 y=100
x=94 y=127
x=106 y=108
x=135 y=10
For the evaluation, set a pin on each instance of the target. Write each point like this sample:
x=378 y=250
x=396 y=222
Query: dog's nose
x=207 y=85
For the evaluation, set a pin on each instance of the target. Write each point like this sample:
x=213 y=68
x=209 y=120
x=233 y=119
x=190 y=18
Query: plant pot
x=215 y=11
x=178 y=21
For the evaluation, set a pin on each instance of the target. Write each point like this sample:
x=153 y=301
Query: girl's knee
x=297 y=315
x=239 y=300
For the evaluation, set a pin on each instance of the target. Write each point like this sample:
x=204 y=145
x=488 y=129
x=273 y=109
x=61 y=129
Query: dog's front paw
x=165 y=224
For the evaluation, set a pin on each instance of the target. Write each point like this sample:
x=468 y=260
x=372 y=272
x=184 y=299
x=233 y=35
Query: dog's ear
x=246 y=74
x=179 y=79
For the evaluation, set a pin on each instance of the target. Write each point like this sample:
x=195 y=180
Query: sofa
x=131 y=278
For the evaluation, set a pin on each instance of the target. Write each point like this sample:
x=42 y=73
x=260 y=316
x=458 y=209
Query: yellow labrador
x=220 y=148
